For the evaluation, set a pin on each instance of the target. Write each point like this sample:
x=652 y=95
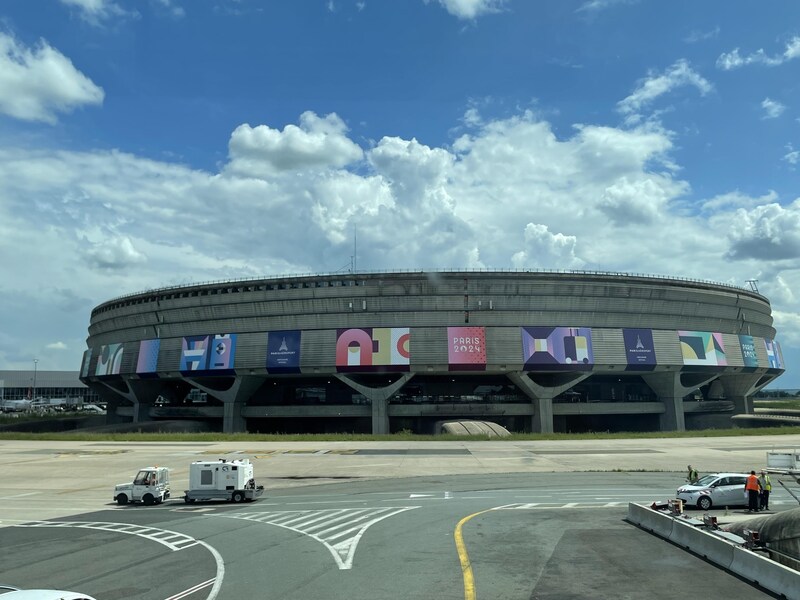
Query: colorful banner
x=110 y=360
x=466 y=348
x=373 y=349
x=773 y=354
x=283 y=351
x=147 y=362
x=749 y=355
x=702 y=348
x=639 y=348
x=562 y=348
x=208 y=353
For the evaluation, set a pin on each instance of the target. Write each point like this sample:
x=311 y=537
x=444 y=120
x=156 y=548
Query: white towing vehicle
x=222 y=480
x=150 y=486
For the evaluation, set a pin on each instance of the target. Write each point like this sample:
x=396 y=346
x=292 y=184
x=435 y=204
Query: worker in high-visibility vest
x=752 y=487
x=766 y=488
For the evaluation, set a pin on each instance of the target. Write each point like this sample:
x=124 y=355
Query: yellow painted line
x=463 y=557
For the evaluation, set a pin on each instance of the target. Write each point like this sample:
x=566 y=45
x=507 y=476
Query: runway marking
x=338 y=529
x=171 y=539
x=463 y=557
x=192 y=590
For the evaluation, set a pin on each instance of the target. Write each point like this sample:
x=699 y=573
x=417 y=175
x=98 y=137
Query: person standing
x=692 y=477
x=766 y=488
x=752 y=488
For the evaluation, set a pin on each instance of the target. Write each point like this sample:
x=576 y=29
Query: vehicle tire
x=238 y=497
x=148 y=499
x=122 y=499
x=704 y=503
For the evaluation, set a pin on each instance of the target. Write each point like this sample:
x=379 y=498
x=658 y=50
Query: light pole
x=35 y=364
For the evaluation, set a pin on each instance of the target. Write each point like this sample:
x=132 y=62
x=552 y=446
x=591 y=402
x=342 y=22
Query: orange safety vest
x=752 y=483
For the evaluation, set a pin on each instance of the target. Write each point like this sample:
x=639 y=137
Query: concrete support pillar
x=233 y=400
x=379 y=399
x=669 y=390
x=739 y=389
x=141 y=393
x=542 y=397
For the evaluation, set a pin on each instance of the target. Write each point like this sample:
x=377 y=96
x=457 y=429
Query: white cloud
x=655 y=85
x=37 y=84
x=544 y=249
x=792 y=156
x=734 y=60
x=598 y=5
x=766 y=232
x=319 y=142
x=95 y=12
x=701 y=36
x=172 y=8
x=772 y=108
x=57 y=346
x=471 y=9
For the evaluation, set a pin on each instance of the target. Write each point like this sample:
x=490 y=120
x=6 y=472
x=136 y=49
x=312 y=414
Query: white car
x=719 y=489
x=8 y=592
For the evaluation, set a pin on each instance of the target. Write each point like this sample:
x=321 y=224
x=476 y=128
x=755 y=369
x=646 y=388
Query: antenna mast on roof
x=752 y=283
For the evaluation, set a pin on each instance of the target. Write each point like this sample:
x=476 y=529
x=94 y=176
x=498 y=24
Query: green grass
x=785 y=404
x=397 y=437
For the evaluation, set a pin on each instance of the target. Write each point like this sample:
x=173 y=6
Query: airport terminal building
x=535 y=351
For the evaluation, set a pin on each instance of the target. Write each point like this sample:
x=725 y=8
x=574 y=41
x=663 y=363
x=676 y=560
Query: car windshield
x=142 y=478
x=706 y=481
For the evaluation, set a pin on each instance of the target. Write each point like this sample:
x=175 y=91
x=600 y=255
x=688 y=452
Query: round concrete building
x=383 y=352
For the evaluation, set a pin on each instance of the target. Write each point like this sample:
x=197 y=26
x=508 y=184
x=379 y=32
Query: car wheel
x=148 y=499
x=704 y=503
x=238 y=497
x=122 y=499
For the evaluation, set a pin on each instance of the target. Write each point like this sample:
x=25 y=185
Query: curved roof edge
x=577 y=272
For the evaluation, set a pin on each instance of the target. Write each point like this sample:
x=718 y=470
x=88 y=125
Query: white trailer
x=150 y=486
x=783 y=461
x=222 y=480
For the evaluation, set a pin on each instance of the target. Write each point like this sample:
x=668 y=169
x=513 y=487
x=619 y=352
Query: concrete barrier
x=770 y=575
x=652 y=520
x=703 y=543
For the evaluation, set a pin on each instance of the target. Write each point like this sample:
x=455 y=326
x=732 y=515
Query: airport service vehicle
x=786 y=461
x=222 y=480
x=150 y=486
x=719 y=489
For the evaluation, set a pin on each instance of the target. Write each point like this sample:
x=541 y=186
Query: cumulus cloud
x=636 y=202
x=772 y=108
x=733 y=60
x=546 y=250
x=655 y=85
x=56 y=346
x=38 y=83
x=792 y=156
x=766 y=232
x=471 y=9
x=114 y=253
x=318 y=142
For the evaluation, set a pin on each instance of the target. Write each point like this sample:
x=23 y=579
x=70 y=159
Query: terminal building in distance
x=380 y=352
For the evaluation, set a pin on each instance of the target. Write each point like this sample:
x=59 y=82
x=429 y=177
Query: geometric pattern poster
x=208 y=353
x=774 y=358
x=110 y=360
x=466 y=348
x=373 y=349
x=749 y=355
x=567 y=348
x=147 y=361
x=702 y=348
x=639 y=347
x=283 y=351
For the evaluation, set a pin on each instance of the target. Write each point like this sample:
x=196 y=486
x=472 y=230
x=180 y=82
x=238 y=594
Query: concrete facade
x=552 y=351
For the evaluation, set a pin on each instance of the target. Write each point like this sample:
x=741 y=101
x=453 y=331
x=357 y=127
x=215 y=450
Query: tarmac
x=79 y=474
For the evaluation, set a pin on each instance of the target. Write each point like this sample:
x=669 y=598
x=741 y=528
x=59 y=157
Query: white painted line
x=420 y=495
x=192 y=590
x=570 y=505
x=19 y=496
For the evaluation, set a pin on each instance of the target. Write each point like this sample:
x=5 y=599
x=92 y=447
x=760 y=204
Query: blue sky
x=152 y=143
